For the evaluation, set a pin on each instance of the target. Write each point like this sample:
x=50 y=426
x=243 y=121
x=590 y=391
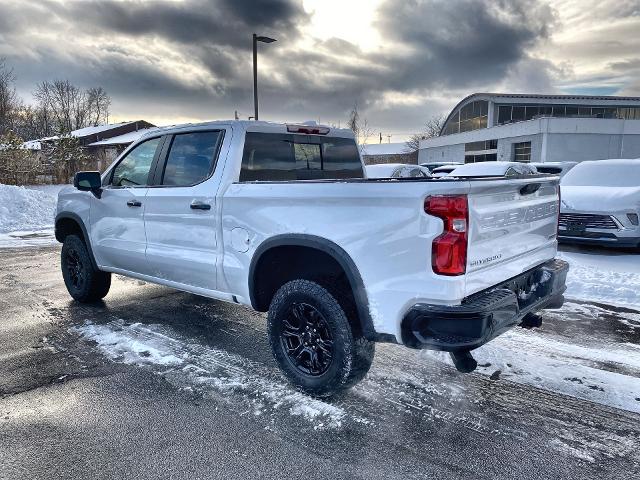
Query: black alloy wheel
x=307 y=340
x=314 y=343
x=75 y=268
x=84 y=282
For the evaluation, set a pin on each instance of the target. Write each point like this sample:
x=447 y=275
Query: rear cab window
x=281 y=157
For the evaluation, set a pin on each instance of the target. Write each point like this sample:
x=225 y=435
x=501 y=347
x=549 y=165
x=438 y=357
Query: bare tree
x=9 y=100
x=431 y=129
x=65 y=107
x=359 y=127
x=98 y=102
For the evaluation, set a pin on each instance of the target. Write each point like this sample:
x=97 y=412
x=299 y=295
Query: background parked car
x=601 y=203
x=433 y=165
x=493 y=169
x=397 y=170
x=554 y=168
x=444 y=170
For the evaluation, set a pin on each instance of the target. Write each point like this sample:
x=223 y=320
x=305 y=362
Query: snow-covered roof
x=124 y=139
x=32 y=145
x=616 y=172
x=384 y=149
x=84 y=132
x=87 y=131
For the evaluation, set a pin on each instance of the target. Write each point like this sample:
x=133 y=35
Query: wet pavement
x=154 y=383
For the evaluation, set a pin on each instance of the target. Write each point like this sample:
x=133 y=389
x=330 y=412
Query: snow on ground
x=606 y=276
x=209 y=370
x=606 y=373
x=27 y=214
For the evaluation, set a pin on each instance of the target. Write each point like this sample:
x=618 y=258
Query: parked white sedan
x=601 y=203
x=554 y=168
x=397 y=170
x=493 y=169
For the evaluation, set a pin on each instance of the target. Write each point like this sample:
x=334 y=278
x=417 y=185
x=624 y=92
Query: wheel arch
x=327 y=247
x=69 y=223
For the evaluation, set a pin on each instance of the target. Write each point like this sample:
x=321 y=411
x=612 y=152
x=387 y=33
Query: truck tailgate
x=512 y=228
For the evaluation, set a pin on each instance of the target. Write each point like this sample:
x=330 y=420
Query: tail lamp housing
x=449 y=249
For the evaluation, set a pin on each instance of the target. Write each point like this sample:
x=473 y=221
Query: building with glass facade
x=537 y=128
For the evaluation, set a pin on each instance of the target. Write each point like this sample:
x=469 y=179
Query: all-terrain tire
x=351 y=354
x=84 y=282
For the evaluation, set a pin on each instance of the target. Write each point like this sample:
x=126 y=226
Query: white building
x=537 y=128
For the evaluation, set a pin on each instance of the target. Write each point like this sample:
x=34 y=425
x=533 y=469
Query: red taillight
x=449 y=250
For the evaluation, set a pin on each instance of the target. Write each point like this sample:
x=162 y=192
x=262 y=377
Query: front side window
x=133 y=170
x=278 y=157
x=191 y=158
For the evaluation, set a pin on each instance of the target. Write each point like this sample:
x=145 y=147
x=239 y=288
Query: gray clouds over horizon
x=191 y=59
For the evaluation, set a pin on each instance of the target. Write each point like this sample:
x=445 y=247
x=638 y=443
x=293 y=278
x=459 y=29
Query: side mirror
x=88 y=182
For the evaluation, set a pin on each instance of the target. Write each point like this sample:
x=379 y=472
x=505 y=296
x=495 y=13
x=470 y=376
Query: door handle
x=134 y=203
x=196 y=205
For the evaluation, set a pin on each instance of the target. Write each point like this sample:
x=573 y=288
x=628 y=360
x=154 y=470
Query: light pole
x=257 y=39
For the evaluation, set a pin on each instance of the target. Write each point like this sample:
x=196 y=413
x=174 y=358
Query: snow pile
x=25 y=209
x=613 y=279
x=27 y=214
x=211 y=371
x=122 y=347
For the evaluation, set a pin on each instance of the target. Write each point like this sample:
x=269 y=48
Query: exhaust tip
x=463 y=361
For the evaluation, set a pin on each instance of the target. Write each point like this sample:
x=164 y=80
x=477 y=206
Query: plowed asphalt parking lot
x=155 y=383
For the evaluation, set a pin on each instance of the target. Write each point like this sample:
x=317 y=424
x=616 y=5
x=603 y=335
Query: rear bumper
x=485 y=315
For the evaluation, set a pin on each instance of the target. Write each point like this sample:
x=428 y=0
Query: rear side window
x=191 y=158
x=277 y=157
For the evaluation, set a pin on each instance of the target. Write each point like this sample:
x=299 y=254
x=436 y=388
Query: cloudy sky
x=402 y=61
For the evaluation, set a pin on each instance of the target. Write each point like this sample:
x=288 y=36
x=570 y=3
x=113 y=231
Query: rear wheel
x=84 y=282
x=313 y=342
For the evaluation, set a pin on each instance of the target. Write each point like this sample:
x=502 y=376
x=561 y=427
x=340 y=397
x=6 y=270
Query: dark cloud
x=461 y=43
x=192 y=58
x=221 y=22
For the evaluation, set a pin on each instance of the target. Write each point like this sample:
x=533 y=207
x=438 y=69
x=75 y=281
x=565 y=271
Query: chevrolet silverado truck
x=281 y=218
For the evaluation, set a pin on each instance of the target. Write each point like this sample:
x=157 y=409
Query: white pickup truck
x=282 y=218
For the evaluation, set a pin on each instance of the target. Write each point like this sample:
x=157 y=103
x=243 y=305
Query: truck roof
x=253 y=126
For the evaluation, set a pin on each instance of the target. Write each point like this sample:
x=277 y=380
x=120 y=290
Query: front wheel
x=313 y=342
x=84 y=282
